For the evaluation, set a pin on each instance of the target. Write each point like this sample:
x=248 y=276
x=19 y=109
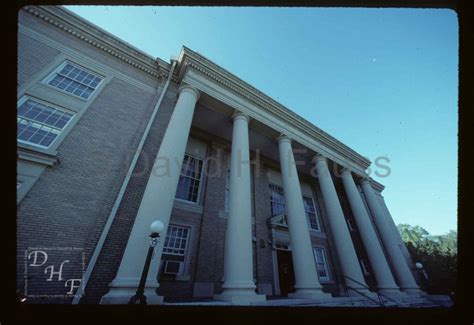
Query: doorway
x=286 y=275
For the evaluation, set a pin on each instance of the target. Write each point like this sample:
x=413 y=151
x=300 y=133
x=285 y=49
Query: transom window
x=190 y=179
x=75 y=80
x=176 y=240
x=40 y=124
x=321 y=263
x=311 y=213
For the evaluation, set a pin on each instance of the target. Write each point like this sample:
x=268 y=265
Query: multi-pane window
x=321 y=263
x=176 y=240
x=75 y=80
x=174 y=251
x=190 y=179
x=277 y=201
x=40 y=124
x=311 y=213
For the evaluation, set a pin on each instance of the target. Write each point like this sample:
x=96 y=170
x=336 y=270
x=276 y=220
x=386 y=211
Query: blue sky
x=382 y=81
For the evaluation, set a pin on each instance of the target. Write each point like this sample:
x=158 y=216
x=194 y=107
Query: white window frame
x=24 y=98
x=325 y=262
x=316 y=215
x=271 y=201
x=184 y=264
x=187 y=240
x=56 y=71
x=200 y=181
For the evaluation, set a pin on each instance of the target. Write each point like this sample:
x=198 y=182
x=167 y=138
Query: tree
x=438 y=254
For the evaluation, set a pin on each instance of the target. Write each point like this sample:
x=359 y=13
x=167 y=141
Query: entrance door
x=286 y=275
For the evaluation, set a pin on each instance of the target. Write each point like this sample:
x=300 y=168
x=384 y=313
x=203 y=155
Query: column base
x=361 y=292
x=121 y=291
x=240 y=298
x=316 y=294
x=391 y=292
x=413 y=291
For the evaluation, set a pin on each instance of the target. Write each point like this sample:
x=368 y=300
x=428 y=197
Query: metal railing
x=380 y=296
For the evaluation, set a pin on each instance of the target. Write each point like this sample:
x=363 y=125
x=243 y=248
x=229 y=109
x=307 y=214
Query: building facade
x=257 y=202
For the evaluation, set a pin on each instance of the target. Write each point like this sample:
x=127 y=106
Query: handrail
x=380 y=302
x=367 y=287
x=378 y=293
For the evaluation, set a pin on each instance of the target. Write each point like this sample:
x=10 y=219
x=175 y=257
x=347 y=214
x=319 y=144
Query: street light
x=139 y=298
x=421 y=270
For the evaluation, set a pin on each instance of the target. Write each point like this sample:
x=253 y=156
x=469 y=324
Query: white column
x=383 y=276
x=239 y=286
x=156 y=204
x=351 y=268
x=306 y=277
x=403 y=273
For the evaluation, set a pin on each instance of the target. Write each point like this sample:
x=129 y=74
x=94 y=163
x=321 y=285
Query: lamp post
x=421 y=270
x=139 y=298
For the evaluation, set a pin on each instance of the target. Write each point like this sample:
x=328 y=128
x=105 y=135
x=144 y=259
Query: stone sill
x=188 y=206
x=35 y=154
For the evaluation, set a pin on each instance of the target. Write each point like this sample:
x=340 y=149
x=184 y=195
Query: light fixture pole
x=139 y=298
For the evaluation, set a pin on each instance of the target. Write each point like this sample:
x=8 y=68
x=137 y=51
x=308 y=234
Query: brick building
x=257 y=202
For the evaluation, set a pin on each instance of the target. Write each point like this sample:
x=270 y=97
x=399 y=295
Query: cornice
x=190 y=59
x=76 y=26
x=83 y=30
x=376 y=185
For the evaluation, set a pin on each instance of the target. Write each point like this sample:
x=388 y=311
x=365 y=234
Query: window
x=321 y=263
x=190 y=179
x=75 y=80
x=176 y=244
x=227 y=190
x=40 y=124
x=311 y=213
x=281 y=246
x=277 y=201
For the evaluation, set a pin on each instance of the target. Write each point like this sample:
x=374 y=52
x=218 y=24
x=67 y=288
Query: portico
x=233 y=110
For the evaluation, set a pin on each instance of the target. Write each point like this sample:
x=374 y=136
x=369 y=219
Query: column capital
x=191 y=90
x=238 y=114
x=283 y=137
x=319 y=157
x=346 y=171
x=365 y=180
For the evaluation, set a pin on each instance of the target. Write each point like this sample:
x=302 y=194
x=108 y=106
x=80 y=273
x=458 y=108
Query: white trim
x=326 y=265
x=184 y=271
x=56 y=71
x=316 y=215
x=87 y=61
x=53 y=144
x=306 y=136
x=198 y=195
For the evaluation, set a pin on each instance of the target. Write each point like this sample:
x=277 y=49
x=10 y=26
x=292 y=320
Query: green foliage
x=438 y=254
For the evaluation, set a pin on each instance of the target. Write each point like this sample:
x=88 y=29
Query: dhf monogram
x=40 y=258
